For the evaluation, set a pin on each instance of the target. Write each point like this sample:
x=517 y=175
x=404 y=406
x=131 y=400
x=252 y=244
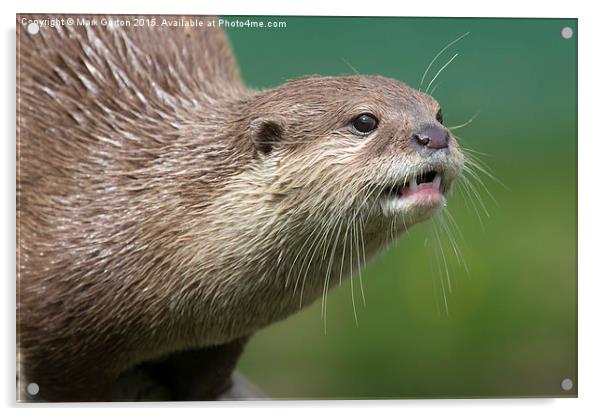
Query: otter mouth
x=424 y=184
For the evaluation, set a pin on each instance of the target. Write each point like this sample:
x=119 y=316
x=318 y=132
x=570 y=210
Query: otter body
x=163 y=207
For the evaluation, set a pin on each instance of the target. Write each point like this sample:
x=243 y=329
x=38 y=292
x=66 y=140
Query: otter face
x=367 y=148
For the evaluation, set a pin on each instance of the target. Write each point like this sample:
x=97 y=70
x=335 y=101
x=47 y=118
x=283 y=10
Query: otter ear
x=266 y=131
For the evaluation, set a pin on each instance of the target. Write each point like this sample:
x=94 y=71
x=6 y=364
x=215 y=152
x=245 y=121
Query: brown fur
x=163 y=206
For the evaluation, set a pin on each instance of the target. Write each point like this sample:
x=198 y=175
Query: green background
x=511 y=325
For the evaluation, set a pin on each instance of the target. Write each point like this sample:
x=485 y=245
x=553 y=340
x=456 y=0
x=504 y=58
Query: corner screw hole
x=33 y=389
x=566 y=384
x=33 y=28
x=566 y=32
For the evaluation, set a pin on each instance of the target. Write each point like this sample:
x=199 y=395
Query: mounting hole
x=33 y=28
x=33 y=389
x=566 y=384
x=566 y=32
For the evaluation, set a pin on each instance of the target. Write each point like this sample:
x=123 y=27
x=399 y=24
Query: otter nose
x=432 y=137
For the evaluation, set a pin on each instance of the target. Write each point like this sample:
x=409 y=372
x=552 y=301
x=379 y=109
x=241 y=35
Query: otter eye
x=365 y=123
x=439 y=116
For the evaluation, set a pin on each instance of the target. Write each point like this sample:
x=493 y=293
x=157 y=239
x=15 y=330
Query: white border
x=590 y=130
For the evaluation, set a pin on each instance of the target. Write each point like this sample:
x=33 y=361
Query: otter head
x=364 y=150
x=340 y=167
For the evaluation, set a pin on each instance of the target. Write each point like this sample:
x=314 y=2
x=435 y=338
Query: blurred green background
x=510 y=328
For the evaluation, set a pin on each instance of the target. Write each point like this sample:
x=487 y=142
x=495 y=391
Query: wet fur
x=163 y=206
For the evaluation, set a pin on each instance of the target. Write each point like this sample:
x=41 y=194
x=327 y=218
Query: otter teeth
x=413 y=183
x=437 y=181
x=430 y=179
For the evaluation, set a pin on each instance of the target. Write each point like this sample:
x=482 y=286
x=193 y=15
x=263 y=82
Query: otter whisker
x=328 y=223
x=361 y=264
x=469 y=184
x=328 y=271
x=472 y=169
x=435 y=88
x=390 y=235
x=441 y=225
x=276 y=142
x=344 y=252
x=315 y=236
x=351 y=231
x=482 y=167
x=468 y=197
x=454 y=225
x=440 y=71
x=364 y=263
x=403 y=217
x=446 y=47
x=314 y=248
x=355 y=71
x=372 y=189
x=351 y=276
x=299 y=252
x=453 y=243
x=469 y=149
x=322 y=246
x=432 y=267
x=441 y=279
x=472 y=159
x=470 y=120
x=476 y=177
x=449 y=286
x=361 y=230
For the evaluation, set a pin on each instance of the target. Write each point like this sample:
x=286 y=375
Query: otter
x=166 y=212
